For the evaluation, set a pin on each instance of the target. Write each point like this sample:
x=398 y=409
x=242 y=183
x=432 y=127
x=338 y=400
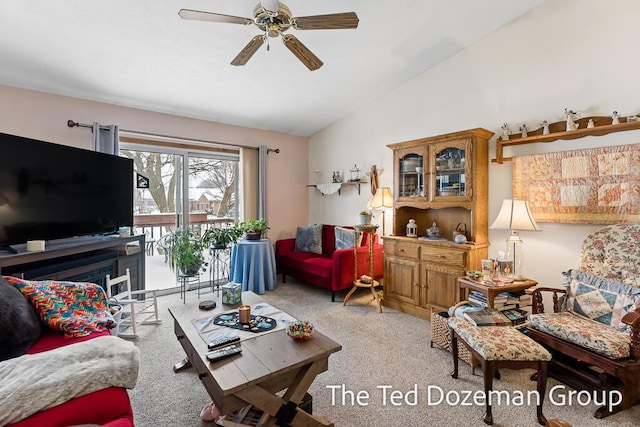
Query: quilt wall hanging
x=590 y=186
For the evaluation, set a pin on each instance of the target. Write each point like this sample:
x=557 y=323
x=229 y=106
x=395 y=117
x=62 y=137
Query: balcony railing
x=156 y=225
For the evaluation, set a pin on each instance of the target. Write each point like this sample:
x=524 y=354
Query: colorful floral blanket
x=75 y=308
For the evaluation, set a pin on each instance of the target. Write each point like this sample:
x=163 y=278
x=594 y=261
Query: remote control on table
x=221 y=342
x=223 y=352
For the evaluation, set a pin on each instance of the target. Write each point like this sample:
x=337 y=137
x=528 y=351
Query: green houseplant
x=185 y=251
x=365 y=217
x=222 y=237
x=254 y=228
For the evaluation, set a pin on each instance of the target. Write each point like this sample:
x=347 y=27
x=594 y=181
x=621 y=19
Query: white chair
x=142 y=312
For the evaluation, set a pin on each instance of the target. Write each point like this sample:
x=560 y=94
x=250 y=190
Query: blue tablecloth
x=253 y=263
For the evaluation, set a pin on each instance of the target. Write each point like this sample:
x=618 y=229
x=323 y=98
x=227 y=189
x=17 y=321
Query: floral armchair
x=596 y=317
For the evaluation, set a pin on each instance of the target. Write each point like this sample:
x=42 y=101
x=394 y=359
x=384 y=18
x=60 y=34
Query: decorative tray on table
x=257 y=323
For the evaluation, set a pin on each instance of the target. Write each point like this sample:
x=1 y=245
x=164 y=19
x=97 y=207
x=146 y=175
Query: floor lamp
x=382 y=200
x=515 y=215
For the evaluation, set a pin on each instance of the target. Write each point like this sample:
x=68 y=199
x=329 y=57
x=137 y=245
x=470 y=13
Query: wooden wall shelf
x=557 y=131
x=356 y=184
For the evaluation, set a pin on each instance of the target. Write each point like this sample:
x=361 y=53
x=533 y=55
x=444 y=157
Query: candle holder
x=244 y=314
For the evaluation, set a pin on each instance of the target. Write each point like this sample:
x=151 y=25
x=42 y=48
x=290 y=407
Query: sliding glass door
x=169 y=195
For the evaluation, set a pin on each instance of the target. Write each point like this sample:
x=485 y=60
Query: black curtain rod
x=71 y=124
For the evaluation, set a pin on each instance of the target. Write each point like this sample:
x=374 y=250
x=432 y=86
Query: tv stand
x=9 y=249
x=85 y=259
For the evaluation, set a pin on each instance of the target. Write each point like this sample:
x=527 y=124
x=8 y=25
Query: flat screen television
x=52 y=191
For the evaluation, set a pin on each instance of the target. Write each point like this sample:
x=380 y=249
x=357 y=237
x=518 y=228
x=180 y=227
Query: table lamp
x=515 y=215
x=383 y=199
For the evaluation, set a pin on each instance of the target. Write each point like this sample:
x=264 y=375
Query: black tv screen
x=51 y=191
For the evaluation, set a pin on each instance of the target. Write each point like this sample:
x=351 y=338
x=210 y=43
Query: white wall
x=577 y=54
x=44 y=116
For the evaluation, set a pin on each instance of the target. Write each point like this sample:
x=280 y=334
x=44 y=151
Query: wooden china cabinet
x=443 y=180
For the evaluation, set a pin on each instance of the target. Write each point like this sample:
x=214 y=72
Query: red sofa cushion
x=53 y=339
x=100 y=407
x=318 y=266
x=295 y=259
x=328 y=239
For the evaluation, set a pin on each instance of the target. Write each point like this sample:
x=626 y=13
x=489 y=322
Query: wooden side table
x=491 y=290
x=357 y=283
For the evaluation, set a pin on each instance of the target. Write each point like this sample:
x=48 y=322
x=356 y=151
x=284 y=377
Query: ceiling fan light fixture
x=274 y=19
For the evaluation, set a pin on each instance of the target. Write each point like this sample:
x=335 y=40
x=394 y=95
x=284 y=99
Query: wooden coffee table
x=269 y=362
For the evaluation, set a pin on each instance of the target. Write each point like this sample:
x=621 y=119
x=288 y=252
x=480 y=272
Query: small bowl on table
x=300 y=330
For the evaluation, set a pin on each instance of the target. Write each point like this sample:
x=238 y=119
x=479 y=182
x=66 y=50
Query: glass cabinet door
x=450 y=170
x=411 y=175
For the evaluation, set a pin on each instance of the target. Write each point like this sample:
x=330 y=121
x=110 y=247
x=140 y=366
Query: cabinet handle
x=202 y=376
x=401 y=250
x=423 y=286
x=416 y=284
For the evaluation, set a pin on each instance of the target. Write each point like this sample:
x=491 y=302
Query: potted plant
x=222 y=237
x=365 y=217
x=185 y=251
x=254 y=228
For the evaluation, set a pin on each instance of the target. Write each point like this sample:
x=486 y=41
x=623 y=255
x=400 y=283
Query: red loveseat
x=333 y=269
x=109 y=407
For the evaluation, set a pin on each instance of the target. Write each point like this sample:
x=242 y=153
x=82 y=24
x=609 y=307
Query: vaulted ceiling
x=140 y=53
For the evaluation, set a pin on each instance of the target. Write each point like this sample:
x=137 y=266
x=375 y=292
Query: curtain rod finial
x=71 y=123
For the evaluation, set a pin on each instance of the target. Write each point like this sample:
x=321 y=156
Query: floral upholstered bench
x=594 y=329
x=498 y=347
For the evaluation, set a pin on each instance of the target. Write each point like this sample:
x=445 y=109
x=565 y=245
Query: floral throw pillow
x=345 y=238
x=600 y=299
x=309 y=239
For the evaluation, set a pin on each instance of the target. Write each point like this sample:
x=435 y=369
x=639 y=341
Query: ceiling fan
x=274 y=19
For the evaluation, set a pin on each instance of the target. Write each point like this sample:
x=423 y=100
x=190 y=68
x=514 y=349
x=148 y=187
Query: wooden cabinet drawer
x=401 y=249
x=447 y=256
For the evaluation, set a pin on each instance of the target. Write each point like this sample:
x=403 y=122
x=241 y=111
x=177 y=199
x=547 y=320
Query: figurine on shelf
x=571 y=119
x=545 y=127
x=632 y=119
x=590 y=124
x=505 y=131
x=614 y=118
x=523 y=130
x=355 y=173
x=337 y=177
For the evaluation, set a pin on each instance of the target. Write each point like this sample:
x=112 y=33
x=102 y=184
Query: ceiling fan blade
x=302 y=52
x=248 y=51
x=270 y=5
x=334 y=21
x=197 y=15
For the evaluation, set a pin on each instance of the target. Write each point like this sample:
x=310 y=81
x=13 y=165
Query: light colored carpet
x=379 y=350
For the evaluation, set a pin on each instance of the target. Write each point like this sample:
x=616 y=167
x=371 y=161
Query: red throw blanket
x=75 y=308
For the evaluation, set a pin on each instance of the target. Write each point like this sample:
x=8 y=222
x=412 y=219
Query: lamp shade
x=383 y=199
x=515 y=215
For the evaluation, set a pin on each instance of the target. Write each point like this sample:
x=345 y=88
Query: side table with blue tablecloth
x=253 y=263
